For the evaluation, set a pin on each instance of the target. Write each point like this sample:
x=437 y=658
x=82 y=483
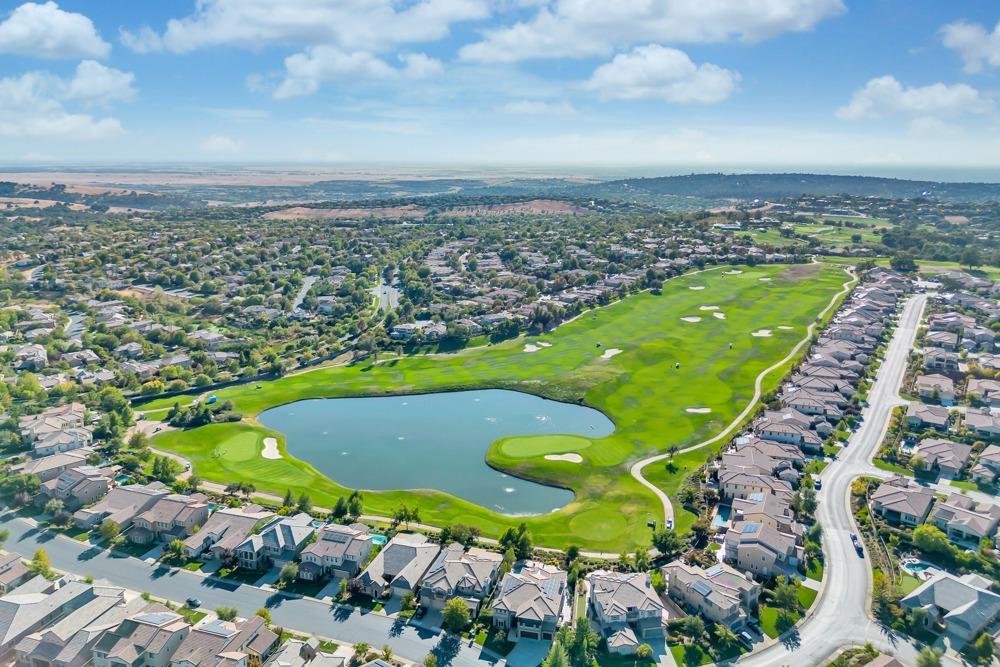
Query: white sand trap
x=569 y=458
x=699 y=411
x=785 y=327
x=691 y=318
x=531 y=348
x=764 y=280
x=763 y=333
x=709 y=308
x=734 y=272
x=610 y=352
x=696 y=287
x=719 y=316
x=270 y=449
x=544 y=344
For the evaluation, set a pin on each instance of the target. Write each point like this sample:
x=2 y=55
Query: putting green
x=668 y=366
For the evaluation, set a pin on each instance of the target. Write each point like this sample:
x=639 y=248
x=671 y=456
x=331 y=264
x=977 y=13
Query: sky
x=707 y=84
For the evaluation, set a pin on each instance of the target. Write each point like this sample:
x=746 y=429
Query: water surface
x=431 y=441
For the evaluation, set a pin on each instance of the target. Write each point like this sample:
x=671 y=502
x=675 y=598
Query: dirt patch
x=569 y=458
x=533 y=207
x=380 y=213
x=13 y=203
x=801 y=271
x=956 y=219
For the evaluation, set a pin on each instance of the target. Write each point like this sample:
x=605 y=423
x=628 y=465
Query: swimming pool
x=721 y=519
x=379 y=540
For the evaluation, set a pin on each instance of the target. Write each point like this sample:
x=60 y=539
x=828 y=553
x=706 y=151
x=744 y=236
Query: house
x=53 y=420
x=770 y=510
x=963 y=605
x=121 y=505
x=23 y=613
x=984 y=390
x=946 y=340
x=940 y=361
x=981 y=422
x=936 y=387
x=69 y=641
x=964 y=521
x=13 y=572
x=50 y=467
x=900 y=500
x=469 y=575
x=720 y=593
x=171 y=517
x=149 y=638
x=625 y=608
x=298 y=653
x=338 y=551
x=531 y=601
x=398 y=567
x=67 y=439
x=987 y=465
x=927 y=416
x=945 y=457
x=225 y=530
x=225 y=644
x=30 y=357
x=81 y=358
x=737 y=483
x=280 y=541
x=79 y=486
x=758 y=548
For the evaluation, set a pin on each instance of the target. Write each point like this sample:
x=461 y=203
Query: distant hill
x=776 y=186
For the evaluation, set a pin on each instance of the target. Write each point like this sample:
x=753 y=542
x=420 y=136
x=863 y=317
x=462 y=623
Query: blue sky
x=705 y=83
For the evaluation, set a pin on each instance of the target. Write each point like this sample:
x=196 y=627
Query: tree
x=430 y=660
x=643 y=651
x=175 y=549
x=109 y=530
x=361 y=649
x=40 y=563
x=455 y=615
x=930 y=539
x=264 y=613
x=667 y=542
x=54 y=507
x=354 y=504
x=305 y=503
x=288 y=574
x=226 y=613
x=971 y=257
x=786 y=596
x=982 y=649
x=386 y=652
x=557 y=656
x=929 y=657
x=4 y=535
x=903 y=262
x=289 y=499
x=725 y=636
x=694 y=627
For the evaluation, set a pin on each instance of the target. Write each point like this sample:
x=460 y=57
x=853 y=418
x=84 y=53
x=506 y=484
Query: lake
x=432 y=441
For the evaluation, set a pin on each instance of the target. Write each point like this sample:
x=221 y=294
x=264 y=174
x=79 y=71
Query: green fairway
x=641 y=389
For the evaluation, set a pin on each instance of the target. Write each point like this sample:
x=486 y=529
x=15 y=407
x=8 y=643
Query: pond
x=432 y=441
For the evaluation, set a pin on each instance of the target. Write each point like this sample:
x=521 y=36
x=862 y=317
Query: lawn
x=769 y=620
x=642 y=390
x=806 y=596
x=815 y=570
x=815 y=466
x=908 y=583
x=892 y=467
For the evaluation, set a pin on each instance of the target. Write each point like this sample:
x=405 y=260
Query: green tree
x=361 y=649
x=305 y=503
x=109 y=530
x=930 y=539
x=557 y=656
x=982 y=649
x=264 y=613
x=644 y=651
x=903 y=262
x=786 y=595
x=226 y=613
x=929 y=657
x=288 y=574
x=971 y=257
x=175 y=549
x=430 y=660
x=4 y=535
x=54 y=507
x=455 y=615
x=667 y=542
x=386 y=652
x=289 y=499
x=694 y=627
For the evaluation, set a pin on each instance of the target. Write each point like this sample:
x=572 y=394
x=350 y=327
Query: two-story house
x=280 y=541
x=469 y=575
x=339 y=551
x=531 y=601
x=720 y=593
x=171 y=517
x=625 y=608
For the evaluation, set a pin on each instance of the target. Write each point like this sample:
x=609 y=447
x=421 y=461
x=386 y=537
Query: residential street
x=841 y=610
x=301 y=614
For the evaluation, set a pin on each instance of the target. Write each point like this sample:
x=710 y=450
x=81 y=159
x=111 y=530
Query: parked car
x=193 y=602
x=857 y=545
x=746 y=638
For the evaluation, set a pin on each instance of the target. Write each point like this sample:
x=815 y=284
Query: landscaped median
x=670 y=362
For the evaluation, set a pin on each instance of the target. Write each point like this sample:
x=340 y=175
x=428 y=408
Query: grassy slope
x=639 y=389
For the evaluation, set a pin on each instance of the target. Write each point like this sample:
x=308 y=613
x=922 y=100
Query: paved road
x=301 y=614
x=638 y=466
x=388 y=296
x=300 y=296
x=841 y=617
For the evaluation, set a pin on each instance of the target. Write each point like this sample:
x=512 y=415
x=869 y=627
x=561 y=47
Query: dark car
x=857 y=545
x=818 y=483
x=193 y=603
x=746 y=638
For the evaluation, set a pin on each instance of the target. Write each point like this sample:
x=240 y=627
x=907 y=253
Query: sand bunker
x=734 y=272
x=719 y=316
x=785 y=327
x=544 y=344
x=709 y=308
x=691 y=318
x=610 y=352
x=699 y=411
x=763 y=333
x=531 y=348
x=270 y=449
x=569 y=458
x=764 y=280
x=696 y=287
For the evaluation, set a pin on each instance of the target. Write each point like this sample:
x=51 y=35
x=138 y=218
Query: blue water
x=721 y=519
x=432 y=441
x=379 y=540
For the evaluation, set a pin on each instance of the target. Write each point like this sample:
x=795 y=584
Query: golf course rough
x=670 y=366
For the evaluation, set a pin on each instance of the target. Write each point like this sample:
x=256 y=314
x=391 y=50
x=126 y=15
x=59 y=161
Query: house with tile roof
x=964 y=521
x=900 y=500
x=964 y=606
x=279 y=542
x=225 y=530
x=945 y=457
x=456 y=572
x=148 y=637
x=338 y=551
x=531 y=601
x=398 y=567
x=625 y=608
x=218 y=643
x=721 y=594
x=171 y=517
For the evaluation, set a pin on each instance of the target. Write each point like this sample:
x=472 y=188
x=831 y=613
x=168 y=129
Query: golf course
x=669 y=369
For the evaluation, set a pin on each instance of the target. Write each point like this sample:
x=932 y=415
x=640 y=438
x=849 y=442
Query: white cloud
x=33 y=105
x=658 y=72
x=420 y=66
x=45 y=31
x=538 y=108
x=581 y=28
x=973 y=43
x=885 y=96
x=306 y=71
x=98 y=84
x=929 y=126
x=218 y=144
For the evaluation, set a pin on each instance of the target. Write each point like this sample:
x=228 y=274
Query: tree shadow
x=397 y=627
x=447 y=649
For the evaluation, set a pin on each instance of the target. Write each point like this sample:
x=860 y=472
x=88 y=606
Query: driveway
x=305 y=615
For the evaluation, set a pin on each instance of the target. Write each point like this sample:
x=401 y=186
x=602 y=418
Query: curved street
x=840 y=614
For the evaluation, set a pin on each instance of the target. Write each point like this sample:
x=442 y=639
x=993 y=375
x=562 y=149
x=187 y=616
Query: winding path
x=637 y=467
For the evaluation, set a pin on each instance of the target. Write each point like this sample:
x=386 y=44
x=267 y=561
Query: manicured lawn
x=908 y=583
x=806 y=596
x=892 y=467
x=769 y=620
x=815 y=466
x=641 y=390
x=690 y=656
x=815 y=570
